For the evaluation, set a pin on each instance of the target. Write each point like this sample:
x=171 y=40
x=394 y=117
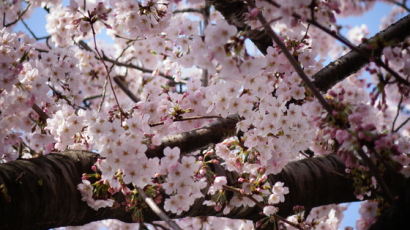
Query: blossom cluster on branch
x=176 y=66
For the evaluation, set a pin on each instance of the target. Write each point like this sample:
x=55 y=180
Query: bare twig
x=402 y=124
x=397 y=113
x=40 y=112
x=125 y=89
x=107 y=70
x=186 y=119
x=32 y=33
x=20 y=15
x=142 y=69
x=400 y=4
x=91 y=98
x=189 y=10
x=87 y=99
x=104 y=93
x=64 y=97
x=206 y=9
x=154 y=207
x=156 y=226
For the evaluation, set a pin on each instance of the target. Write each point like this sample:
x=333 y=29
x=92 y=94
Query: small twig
x=84 y=45
x=156 y=226
x=142 y=69
x=402 y=5
x=304 y=154
x=189 y=10
x=32 y=33
x=47 y=37
x=64 y=97
x=107 y=70
x=91 y=98
x=187 y=119
x=402 y=124
x=40 y=112
x=106 y=80
x=86 y=100
x=20 y=15
x=104 y=93
x=154 y=207
x=306 y=33
x=128 y=39
x=397 y=113
x=204 y=78
x=293 y=62
x=205 y=13
x=125 y=89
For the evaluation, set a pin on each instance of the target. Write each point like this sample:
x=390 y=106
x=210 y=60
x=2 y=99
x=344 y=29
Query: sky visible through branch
x=372 y=19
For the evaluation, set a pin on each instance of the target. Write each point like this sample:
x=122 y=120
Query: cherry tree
x=203 y=114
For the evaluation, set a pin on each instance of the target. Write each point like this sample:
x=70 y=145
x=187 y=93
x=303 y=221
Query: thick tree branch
x=352 y=62
x=198 y=138
x=234 y=12
x=42 y=193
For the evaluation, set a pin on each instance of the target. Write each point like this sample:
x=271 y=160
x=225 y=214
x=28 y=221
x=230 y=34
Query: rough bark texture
x=42 y=193
x=353 y=61
x=198 y=138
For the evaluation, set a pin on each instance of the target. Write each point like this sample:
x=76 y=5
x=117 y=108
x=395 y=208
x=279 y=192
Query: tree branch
x=351 y=62
x=234 y=12
x=198 y=138
x=48 y=184
x=42 y=193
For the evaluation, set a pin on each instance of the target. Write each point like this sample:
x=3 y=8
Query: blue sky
x=372 y=19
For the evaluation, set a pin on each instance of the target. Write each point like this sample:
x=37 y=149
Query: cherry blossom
x=168 y=74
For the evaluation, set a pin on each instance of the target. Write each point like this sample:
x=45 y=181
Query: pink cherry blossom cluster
x=161 y=57
x=15 y=90
x=87 y=195
x=75 y=21
x=358 y=132
x=139 y=18
x=368 y=211
x=325 y=217
x=13 y=54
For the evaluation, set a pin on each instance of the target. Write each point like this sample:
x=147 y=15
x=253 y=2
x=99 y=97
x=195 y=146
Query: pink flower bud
x=254 y=12
x=202 y=172
x=342 y=135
